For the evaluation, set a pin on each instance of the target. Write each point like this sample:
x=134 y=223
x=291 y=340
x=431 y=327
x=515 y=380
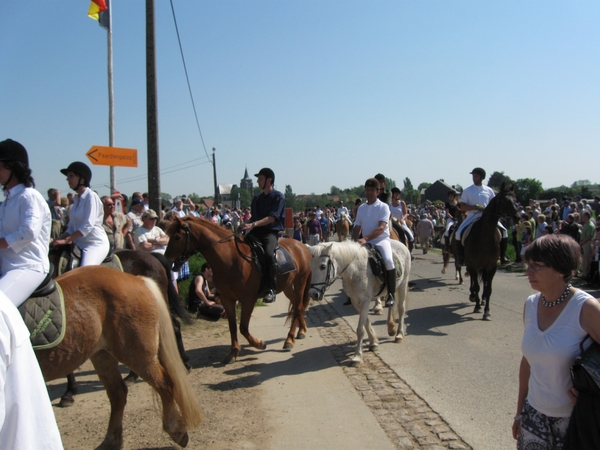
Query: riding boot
x=391 y=287
x=272 y=289
x=503 y=247
x=460 y=252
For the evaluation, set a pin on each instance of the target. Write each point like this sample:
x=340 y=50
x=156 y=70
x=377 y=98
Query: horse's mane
x=178 y=223
x=343 y=252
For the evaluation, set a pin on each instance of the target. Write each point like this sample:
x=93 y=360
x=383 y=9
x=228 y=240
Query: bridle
x=329 y=278
x=189 y=251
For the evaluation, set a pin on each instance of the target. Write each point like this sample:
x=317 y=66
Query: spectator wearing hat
x=266 y=222
x=149 y=237
x=85 y=218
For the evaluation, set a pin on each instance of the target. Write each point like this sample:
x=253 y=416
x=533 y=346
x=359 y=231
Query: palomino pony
x=237 y=278
x=482 y=247
x=342 y=227
x=114 y=317
x=155 y=266
x=349 y=260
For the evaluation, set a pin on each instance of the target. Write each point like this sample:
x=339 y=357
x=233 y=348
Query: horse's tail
x=183 y=393
x=172 y=295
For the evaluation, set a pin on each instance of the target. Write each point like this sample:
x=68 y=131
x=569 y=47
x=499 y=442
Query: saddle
x=467 y=230
x=71 y=259
x=285 y=262
x=44 y=314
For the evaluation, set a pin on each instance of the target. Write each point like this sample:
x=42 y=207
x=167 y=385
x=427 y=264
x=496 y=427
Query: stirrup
x=389 y=301
x=270 y=296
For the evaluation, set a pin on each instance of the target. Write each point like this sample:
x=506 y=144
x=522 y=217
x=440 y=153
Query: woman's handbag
x=584 y=426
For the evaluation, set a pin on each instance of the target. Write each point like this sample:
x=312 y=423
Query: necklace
x=559 y=300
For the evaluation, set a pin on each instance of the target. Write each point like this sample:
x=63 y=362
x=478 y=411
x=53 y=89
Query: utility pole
x=111 y=99
x=214 y=161
x=152 y=111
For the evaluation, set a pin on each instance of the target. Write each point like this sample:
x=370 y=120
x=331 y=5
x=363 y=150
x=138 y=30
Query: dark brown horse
x=114 y=317
x=237 y=278
x=155 y=266
x=482 y=247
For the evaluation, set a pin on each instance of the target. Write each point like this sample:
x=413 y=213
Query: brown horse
x=155 y=266
x=114 y=317
x=482 y=247
x=342 y=227
x=237 y=278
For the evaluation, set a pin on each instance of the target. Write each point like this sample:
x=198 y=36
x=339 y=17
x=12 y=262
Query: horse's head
x=179 y=248
x=505 y=202
x=323 y=270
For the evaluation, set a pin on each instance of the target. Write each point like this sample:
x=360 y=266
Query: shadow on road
x=426 y=321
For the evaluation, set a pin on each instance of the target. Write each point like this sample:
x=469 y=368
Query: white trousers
x=385 y=248
x=93 y=256
x=470 y=219
x=18 y=284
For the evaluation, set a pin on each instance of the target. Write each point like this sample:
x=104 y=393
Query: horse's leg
x=67 y=399
x=391 y=321
x=363 y=319
x=229 y=306
x=378 y=308
x=179 y=338
x=445 y=259
x=474 y=296
x=107 y=368
x=488 y=276
x=247 y=308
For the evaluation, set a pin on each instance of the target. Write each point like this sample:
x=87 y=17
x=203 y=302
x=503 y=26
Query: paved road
x=464 y=368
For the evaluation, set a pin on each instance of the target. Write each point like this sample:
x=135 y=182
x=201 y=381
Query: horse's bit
x=329 y=278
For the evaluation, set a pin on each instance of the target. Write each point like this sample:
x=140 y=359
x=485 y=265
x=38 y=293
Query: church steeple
x=246 y=182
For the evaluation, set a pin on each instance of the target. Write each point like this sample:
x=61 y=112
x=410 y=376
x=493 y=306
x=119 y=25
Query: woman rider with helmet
x=25 y=221
x=85 y=218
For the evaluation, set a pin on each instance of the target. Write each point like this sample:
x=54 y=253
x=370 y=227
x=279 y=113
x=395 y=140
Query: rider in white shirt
x=25 y=223
x=372 y=220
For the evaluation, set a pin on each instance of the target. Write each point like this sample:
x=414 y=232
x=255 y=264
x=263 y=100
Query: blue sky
x=324 y=92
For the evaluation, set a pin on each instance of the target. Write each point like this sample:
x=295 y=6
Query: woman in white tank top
x=556 y=321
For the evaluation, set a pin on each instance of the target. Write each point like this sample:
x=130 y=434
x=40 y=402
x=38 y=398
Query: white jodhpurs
x=93 y=256
x=385 y=248
x=18 y=284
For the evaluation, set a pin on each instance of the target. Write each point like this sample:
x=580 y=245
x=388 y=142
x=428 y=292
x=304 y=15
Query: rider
x=399 y=212
x=452 y=212
x=85 y=219
x=266 y=221
x=372 y=220
x=25 y=223
x=473 y=201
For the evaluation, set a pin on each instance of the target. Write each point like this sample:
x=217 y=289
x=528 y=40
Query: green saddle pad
x=45 y=318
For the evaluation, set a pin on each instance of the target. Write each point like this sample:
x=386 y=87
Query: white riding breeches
x=449 y=223
x=409 y=233
x=18 y=284
x=93 y=256
x=385 y=248
x=470 y=219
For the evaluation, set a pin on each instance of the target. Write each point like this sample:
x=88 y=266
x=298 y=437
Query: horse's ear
x=502 y=187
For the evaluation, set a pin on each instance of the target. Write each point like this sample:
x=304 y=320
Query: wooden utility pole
x=215 y=177
x=152 y=111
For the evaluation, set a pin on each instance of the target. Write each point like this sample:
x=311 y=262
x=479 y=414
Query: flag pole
x=111 y=99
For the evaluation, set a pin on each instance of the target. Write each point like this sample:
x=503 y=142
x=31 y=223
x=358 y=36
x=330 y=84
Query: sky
x=325 y=92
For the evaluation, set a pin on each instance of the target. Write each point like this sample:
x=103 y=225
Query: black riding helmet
x=80 y=169
x=13 y=151
x=268 y=173
x=479 y=171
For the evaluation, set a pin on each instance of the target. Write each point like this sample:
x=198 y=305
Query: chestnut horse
x=342 y=227
x=114 y=317
x=482 y=247
x=237 y=278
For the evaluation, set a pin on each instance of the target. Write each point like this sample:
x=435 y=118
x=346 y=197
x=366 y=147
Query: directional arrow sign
x=112 y=156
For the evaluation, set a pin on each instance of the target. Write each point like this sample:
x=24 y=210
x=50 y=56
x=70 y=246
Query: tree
x=291 y=200
x=423 y=185
x=526 y=188
x=335 y=190
x=498 y=178
x=407 y=185
x=242 y=195
x=194 y=197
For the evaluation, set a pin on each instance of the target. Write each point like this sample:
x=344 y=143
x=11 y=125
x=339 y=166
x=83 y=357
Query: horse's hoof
x=477 y=309
x=378 y=311
x=356 y=362
x=472 y=298
x=301 y=336
x=180 y=438
x=399 y=339
x=130 y=379
x=444 y=270
x=487 y=317
x=373 y=347
x=229 y=359
x=66 y=401
x=262 y=345
x=392 y=331
x=288 y=345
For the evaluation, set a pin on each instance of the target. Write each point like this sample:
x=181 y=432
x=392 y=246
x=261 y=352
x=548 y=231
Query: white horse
x=349 y=261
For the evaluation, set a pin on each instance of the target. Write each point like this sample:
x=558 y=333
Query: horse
x=155 y=266
x=342 y=227
x=446 y=254
x=114 y=317
x=237 y=278
x=482 y=247
x=349 y=260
